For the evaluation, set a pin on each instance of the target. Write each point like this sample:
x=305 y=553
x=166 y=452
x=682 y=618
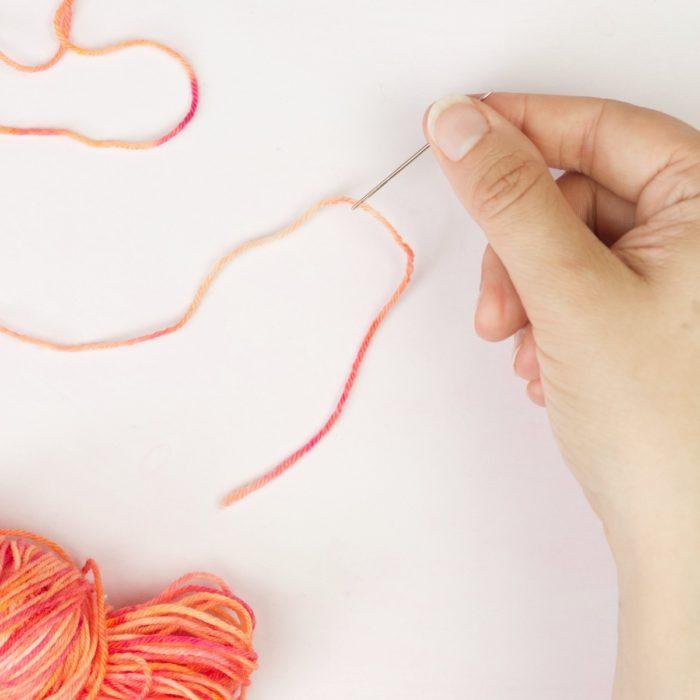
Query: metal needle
x=403 y=166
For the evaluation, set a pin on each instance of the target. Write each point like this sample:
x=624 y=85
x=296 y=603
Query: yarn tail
x=252 y=486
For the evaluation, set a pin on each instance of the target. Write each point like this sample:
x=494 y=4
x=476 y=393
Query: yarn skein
x=62 y=24
x=59 y=639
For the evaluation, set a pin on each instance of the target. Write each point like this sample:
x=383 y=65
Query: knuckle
x=678 y=182
x=504 y=181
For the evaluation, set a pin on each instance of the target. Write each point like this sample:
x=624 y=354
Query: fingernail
x=455 y=125
x=517 y=344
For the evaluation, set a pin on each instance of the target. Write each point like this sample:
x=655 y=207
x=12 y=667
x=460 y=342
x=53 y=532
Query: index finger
x=619 y=145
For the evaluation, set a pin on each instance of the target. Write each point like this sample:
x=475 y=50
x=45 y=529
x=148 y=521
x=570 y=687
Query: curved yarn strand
x=62 y=24
x=292 y=459
x=63 y=21
x=201 y=292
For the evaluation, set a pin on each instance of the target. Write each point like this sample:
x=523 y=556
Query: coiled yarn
x=60 y=640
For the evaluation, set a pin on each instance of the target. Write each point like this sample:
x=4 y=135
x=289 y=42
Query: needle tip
x=403 y=165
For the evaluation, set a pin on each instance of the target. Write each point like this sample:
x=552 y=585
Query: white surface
x=434 y=546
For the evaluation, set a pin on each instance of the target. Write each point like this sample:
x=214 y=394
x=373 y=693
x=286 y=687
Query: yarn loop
x=63 y=20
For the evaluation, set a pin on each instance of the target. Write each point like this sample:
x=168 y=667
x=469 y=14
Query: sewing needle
x=403 y=165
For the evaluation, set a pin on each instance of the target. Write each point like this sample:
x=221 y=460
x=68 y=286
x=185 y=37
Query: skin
x=598 y=274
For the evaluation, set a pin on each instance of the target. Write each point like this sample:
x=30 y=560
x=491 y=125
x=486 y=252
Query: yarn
x=63 y=20
x=243 y=491
x=62 y=24
x=59 y=639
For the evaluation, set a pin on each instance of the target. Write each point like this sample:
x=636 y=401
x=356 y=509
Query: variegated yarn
x=62 y=25
x=59 y=639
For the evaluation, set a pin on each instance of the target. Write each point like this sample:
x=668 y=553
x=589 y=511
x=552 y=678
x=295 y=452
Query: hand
x=601 y=271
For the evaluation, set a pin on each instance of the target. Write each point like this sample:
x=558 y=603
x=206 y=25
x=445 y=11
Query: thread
x=204 y=287
x=62 y=24
x=63 y=20
x=59 y=639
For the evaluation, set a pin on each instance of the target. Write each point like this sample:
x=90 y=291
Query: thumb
x=503 y=181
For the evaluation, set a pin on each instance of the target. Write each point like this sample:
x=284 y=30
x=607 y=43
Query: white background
x=434 y=546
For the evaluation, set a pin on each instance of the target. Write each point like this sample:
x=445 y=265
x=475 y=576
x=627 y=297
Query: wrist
x=651 y=531
x=659 y=632
x=658 y=567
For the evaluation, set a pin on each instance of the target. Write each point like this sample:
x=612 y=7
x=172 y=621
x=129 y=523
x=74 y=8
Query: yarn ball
x=59 y=639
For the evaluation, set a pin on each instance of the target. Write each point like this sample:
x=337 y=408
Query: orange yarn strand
x=285 y=464
x=63 y=20
x=204 y=287
x=62 y=24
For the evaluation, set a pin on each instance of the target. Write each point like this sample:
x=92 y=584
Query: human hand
x=601 y=270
